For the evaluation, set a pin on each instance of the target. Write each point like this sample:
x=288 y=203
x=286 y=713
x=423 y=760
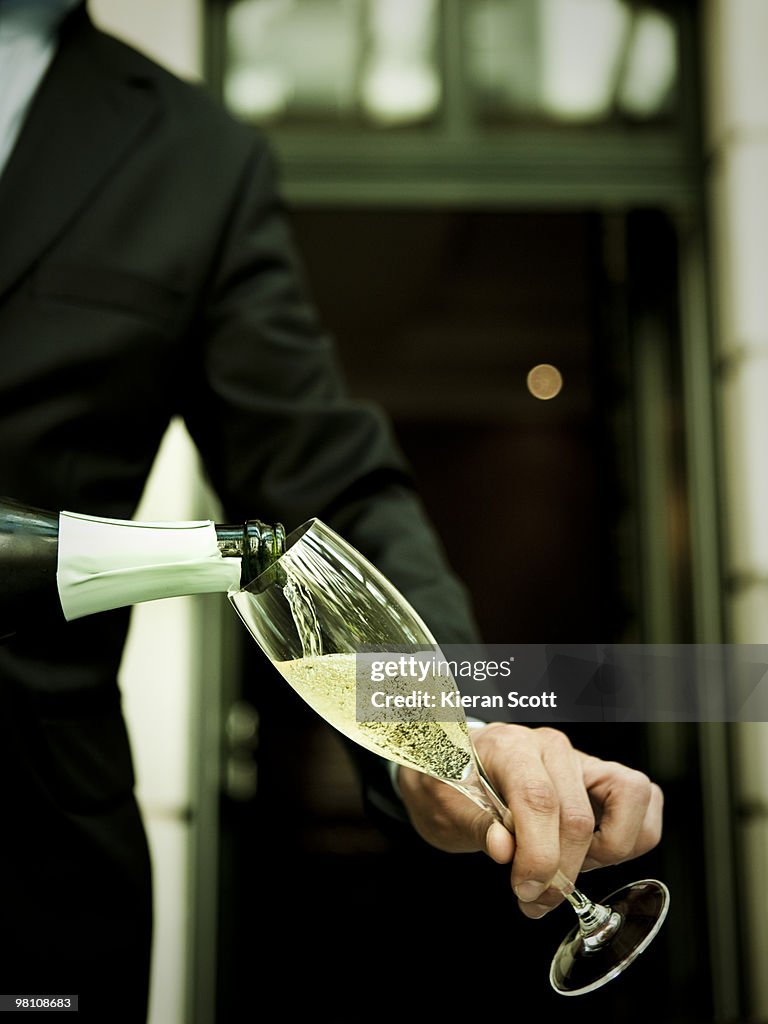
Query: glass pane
x=571 y=61
x=319 y=61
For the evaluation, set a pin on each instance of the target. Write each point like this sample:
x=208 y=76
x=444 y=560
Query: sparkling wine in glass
x=313 y=612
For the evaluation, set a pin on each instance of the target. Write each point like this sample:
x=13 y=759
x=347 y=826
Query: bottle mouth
x=262 y=546
x=266 y=546
x=265 y=543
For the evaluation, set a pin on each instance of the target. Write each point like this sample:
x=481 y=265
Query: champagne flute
x=317 y=613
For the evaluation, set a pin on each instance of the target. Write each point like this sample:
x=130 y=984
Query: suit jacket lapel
x=80 y=127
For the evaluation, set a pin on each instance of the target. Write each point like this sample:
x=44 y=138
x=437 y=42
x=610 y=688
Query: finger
x=630 y=821
x=512 y=757
x=648 y=836
x=577 y=819
x=499 y=843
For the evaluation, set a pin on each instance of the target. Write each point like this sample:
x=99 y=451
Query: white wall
x=736 y=58
x=162 y=672
x=169 y=31
x=165 y=697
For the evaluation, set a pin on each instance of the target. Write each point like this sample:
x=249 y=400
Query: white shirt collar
x=28 y=36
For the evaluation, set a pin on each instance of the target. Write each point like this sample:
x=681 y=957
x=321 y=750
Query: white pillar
x=735 y=37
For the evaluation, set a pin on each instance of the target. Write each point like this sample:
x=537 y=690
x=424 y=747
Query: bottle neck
x=111 y=563
x=28 y=553
x=79 y=564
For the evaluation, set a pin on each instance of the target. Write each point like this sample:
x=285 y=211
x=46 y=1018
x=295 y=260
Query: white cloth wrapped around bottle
x=110 y=563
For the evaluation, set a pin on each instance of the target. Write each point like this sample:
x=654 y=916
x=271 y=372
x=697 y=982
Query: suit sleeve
x=279 y=434
x=282 y=439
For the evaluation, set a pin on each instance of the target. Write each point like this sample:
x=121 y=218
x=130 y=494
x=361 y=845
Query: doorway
x=439 y=315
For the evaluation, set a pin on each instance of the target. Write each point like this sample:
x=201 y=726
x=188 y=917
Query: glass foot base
x=576 y=969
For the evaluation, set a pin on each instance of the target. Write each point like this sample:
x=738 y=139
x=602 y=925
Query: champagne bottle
x=74 y=565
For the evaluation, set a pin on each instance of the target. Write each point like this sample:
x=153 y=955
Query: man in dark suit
x=145 y=272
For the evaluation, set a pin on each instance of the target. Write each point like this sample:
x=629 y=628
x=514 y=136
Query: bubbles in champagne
x=328 y=684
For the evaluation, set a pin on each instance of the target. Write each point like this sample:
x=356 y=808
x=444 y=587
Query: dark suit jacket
x=146 y=271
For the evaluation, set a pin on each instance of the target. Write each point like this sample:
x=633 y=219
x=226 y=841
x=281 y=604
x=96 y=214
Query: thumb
x=498 y=842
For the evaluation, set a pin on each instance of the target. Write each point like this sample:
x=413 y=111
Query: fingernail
x=527 y=892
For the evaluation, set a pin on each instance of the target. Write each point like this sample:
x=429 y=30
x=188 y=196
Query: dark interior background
x=439 y=314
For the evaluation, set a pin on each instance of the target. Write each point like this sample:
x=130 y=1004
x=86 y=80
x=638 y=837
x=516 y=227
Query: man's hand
x=570 y=811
